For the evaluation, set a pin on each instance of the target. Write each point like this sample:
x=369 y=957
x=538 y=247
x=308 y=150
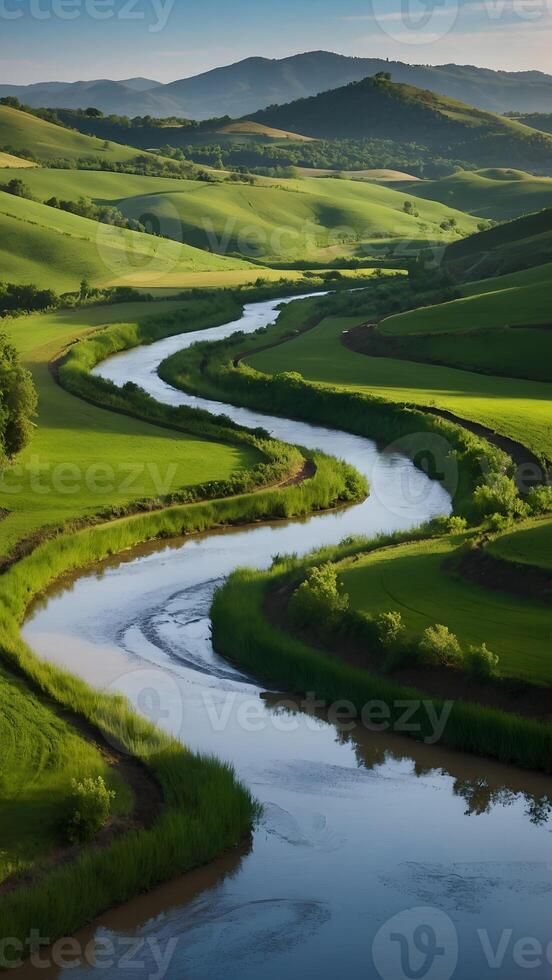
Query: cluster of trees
x=83 y=206
x=18 y=402
x=18 y=188
x=106 y=213
x=25 y=299
x=344 y=154
x=142 y=164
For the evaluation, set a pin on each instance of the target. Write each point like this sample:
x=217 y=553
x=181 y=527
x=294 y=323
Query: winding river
x=375 y=856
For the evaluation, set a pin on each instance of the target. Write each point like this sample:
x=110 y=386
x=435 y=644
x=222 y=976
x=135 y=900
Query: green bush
x=92 y=806
x=539 y=500
x=390 y=628
x=448 y=525
x=439 y=646
x=318 y=601
x=498 y=495
x=499 y=522
x=481 y=663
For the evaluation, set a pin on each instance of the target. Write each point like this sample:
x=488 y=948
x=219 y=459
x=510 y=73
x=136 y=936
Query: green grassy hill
x=518 y=244
x=378 y=108
x=22 y=131
x=499 y=194
x=488 y=329
x=49 y=247
x=272 y=220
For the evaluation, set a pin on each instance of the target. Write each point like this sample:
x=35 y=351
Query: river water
x=374 y=856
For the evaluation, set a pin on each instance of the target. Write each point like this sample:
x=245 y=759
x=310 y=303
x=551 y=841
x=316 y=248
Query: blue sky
x=167 y=39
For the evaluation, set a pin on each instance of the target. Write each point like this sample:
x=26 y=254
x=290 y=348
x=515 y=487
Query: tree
x=319 y=601
x=18 y=401
x=93 y=113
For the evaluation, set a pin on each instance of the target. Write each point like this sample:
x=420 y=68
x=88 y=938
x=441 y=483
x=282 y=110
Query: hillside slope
x=272 y=220
x=519 y=244
x=499 y=194
x=20 y=132
x=48 y=247
x=379 y=109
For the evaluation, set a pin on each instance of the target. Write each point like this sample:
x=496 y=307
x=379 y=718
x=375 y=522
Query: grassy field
x=384 y=175
x=519 y=409
x=411 y=579
x=519 y=298
x=245 y=127
x=496 y=193
x=40 y=756
x=530 y=544
x=82 y=459
x=273 y=220
x=53 y=248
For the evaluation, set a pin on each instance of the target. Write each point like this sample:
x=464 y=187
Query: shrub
x=499 y=495
x=92 y=800
x=390 y=628
x=439 y=646
x=318 y=602
x=481 y=663
x=499 y=522
x=539 y=500
x=448 y=525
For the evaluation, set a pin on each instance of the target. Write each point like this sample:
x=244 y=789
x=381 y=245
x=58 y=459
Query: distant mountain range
x=243 y=88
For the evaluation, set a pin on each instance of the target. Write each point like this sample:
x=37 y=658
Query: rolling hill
x=377 y=108
x=500 y=194
x=54 y=249
x=520 y=244
x=500 y=326
x=249 y=85
x=21 y=132
x=272 y=220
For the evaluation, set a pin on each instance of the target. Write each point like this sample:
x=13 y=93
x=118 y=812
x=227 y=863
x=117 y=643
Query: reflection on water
x=357 y=826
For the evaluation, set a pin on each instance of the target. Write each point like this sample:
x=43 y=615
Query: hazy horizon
x=74 y=40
